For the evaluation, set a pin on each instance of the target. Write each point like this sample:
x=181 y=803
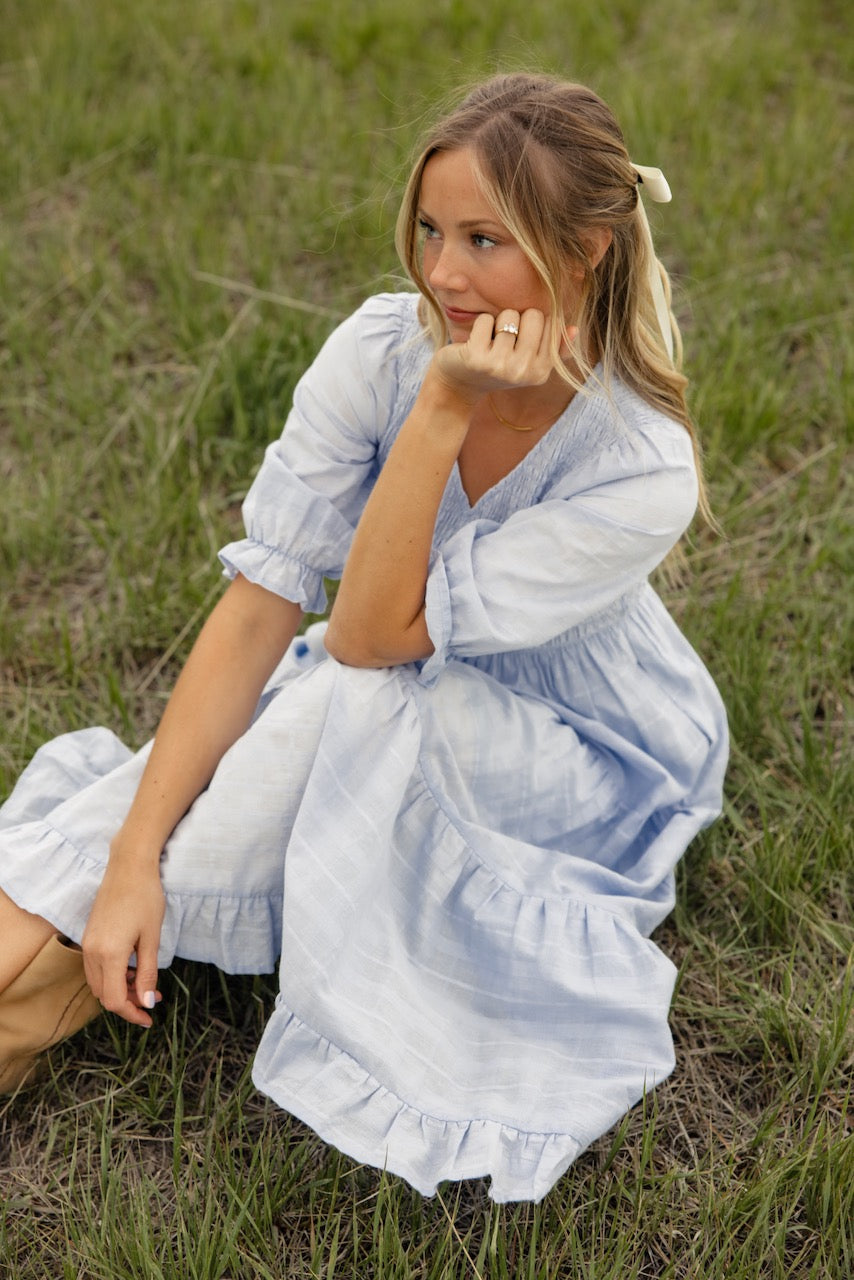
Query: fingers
x=520 y=331
x=506 y=327
x=510 y=349
x=511 y=331
x=145 y=986
x=529 y=333
x=126 y=919
x=127 y=992
x=519 y=350
x=110 y=983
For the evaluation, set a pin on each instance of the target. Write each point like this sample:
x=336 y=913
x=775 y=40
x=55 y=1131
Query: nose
x=445 y=272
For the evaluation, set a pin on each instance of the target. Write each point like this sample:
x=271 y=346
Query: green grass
x=189 y=194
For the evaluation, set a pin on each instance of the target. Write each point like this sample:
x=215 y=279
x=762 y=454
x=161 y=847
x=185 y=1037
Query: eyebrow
x=469 y=222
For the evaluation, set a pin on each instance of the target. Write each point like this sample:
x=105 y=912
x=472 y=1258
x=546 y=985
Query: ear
x=598 y=243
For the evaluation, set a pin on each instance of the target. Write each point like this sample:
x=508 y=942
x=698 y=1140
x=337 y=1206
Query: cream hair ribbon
x=655 y=184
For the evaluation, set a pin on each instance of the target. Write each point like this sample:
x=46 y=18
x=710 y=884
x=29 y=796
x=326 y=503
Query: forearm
x=378 y=615
x=211 y=706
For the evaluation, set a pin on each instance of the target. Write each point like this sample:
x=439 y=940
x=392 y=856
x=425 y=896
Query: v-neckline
x=554 y=433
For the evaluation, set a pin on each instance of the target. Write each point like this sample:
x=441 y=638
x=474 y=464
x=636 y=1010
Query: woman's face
x=470 y=260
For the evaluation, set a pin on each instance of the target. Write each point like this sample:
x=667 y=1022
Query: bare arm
x=378 y=618
x=211 y=706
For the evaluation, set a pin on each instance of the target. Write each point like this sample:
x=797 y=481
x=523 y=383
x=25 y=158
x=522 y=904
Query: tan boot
x=47 y=1002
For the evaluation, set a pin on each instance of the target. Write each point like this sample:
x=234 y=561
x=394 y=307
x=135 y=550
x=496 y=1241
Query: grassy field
x=191 y=194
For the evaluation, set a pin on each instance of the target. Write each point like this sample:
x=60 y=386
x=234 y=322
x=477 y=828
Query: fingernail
x=149 y=1000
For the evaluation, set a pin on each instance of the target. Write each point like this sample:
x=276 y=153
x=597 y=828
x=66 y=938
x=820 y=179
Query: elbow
x=352 y=651
x=371 y=650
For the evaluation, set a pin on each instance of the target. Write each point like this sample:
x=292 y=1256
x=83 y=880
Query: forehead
x=450 y=181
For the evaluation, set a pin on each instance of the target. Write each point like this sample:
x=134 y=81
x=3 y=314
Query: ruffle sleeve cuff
x=439 y=610
x=269 y=567
x=308 y=495
x=494 y=588
x=438 y=618
x=295 y=537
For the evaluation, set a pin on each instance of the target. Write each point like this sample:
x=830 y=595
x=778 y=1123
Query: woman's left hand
x=126 y=918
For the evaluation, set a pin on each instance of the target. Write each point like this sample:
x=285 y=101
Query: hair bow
x=655 y=183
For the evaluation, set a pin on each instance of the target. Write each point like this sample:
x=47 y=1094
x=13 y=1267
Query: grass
x=190 y=195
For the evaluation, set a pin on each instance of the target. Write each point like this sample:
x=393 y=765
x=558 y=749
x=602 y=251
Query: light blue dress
x=460 y=861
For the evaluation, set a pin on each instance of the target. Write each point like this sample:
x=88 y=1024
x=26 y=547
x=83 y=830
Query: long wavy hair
x=553 y=164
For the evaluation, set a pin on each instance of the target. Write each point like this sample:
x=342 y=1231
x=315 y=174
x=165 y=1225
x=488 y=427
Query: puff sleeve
x=305 y=502
x=495 y=587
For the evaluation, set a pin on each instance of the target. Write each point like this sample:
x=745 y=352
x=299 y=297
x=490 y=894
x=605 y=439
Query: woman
x=460 y=826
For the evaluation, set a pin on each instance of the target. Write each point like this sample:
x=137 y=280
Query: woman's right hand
x=126 y=917
x=510 y=350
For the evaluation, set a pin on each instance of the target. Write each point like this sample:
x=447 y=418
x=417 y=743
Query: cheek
x=428 y=256
x=529 y=287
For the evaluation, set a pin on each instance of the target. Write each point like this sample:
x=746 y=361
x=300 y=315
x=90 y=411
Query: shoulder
x=362 y=362
x=398 y=311
x=379 y=327
x=630 y=429
x=618 y=439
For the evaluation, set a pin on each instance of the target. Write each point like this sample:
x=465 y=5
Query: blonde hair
x=553 y=164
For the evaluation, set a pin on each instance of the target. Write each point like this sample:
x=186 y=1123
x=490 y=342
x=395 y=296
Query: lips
x=456 y=316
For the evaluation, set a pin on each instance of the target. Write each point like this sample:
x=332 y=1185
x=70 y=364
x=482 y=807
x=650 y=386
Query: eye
x=429 y=232
x=481 y=241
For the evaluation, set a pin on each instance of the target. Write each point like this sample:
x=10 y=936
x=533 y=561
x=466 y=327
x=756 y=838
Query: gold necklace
x=513 y=425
